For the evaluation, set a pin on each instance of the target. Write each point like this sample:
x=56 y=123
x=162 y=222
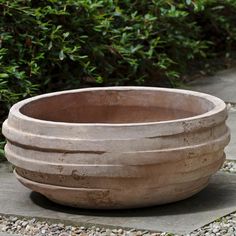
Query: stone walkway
x=217 y=200
x=222 y=85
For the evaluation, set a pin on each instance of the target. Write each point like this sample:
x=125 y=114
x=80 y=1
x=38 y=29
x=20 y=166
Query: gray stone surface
x=222 y=85
x=217 y=200
x=231 y=148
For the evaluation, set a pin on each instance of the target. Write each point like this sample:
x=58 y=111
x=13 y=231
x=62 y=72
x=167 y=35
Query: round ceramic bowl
x=117 y=147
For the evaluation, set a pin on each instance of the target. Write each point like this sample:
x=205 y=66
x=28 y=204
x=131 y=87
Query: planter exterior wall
x=117 y=147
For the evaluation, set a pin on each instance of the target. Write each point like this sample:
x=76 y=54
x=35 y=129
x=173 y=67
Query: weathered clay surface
x=117 y=147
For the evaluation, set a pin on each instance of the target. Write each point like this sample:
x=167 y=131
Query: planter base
x=115 y=199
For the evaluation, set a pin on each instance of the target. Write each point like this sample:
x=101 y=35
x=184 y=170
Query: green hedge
x=49 y=45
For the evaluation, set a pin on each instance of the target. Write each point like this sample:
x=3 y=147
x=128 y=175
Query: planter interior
x=116 y=107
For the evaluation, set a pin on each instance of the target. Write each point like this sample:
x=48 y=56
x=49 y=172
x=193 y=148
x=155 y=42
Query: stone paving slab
x=222 y=85
x=231 y=122
x=217 y=200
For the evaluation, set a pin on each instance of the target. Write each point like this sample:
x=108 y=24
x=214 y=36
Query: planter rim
x=219 y=106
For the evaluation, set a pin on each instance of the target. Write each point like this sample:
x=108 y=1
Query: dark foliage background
x=49 y=45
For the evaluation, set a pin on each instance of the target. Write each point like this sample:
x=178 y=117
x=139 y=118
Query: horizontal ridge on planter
x=154 y=178
x=113 y=199
x=124 y=145
x=102 y=146
x=174 y=154
x=88 y=170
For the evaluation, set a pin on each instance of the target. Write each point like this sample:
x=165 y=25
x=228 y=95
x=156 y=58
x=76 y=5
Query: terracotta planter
x=117 y=147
